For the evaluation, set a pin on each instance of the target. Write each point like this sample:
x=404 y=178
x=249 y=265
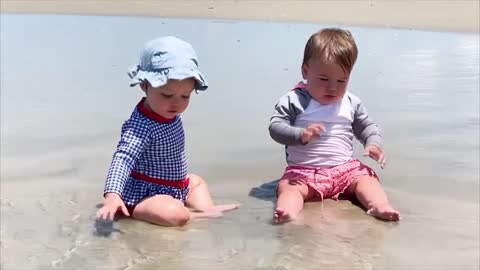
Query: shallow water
x=65 y=94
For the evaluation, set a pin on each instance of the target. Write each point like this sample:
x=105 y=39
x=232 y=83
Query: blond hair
x=332 y=45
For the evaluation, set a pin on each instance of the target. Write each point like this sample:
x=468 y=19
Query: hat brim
x=160 y=78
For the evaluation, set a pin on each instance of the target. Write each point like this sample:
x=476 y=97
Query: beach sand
x=430 y=15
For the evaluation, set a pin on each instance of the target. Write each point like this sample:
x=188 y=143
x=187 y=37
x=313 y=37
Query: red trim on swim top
x=171 y=183
x=299 y=85
x=151 y=114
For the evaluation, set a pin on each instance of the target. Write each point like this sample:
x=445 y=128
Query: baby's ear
x=304 y=71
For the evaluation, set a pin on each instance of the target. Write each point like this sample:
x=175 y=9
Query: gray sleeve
x=364 y=128
x=286 y=110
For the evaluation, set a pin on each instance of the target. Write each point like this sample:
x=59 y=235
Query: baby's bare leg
x=199 y=198
x=162 y=210
x=372 y=196
x=291 y=195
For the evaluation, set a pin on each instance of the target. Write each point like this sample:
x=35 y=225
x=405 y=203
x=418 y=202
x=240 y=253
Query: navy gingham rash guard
x=154 y=147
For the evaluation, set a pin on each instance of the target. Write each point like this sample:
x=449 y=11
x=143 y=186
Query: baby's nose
x=332 y=87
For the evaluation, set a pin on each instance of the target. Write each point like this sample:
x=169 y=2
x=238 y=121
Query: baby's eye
x=324 y=79
x=341 y=81
x=167 y=96
x=185 y=97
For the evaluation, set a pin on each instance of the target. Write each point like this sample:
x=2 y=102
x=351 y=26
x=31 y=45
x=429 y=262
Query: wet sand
x=74 y=96
x=459 y=15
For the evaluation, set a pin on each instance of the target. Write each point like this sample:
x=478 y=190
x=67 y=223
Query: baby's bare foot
x=281 y=216
x=205 y=214
x=216 y=211
x=385 y=212
x=225 y=207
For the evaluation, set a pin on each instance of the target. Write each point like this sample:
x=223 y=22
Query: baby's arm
x=368 y=133
x=364 y=128
x=134 y=138
x=132 y=143
x=286 y=110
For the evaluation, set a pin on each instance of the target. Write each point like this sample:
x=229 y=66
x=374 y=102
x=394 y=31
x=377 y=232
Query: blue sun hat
x=167 y=58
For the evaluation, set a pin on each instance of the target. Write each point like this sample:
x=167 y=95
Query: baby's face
x=170 y=99
x=326 y=83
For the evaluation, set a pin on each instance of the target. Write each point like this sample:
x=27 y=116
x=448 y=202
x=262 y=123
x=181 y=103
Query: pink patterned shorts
x=329 y=182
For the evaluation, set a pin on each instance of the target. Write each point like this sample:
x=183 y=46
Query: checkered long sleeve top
x=150 y=145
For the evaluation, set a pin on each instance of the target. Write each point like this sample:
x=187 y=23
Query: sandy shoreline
x=459 y=15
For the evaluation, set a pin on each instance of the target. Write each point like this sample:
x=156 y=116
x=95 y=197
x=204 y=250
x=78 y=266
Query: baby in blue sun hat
x=148 y=177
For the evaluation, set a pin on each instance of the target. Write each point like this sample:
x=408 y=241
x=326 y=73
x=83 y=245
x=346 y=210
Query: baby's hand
x=376 y=152
x=110 y=206
x=311 y=130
